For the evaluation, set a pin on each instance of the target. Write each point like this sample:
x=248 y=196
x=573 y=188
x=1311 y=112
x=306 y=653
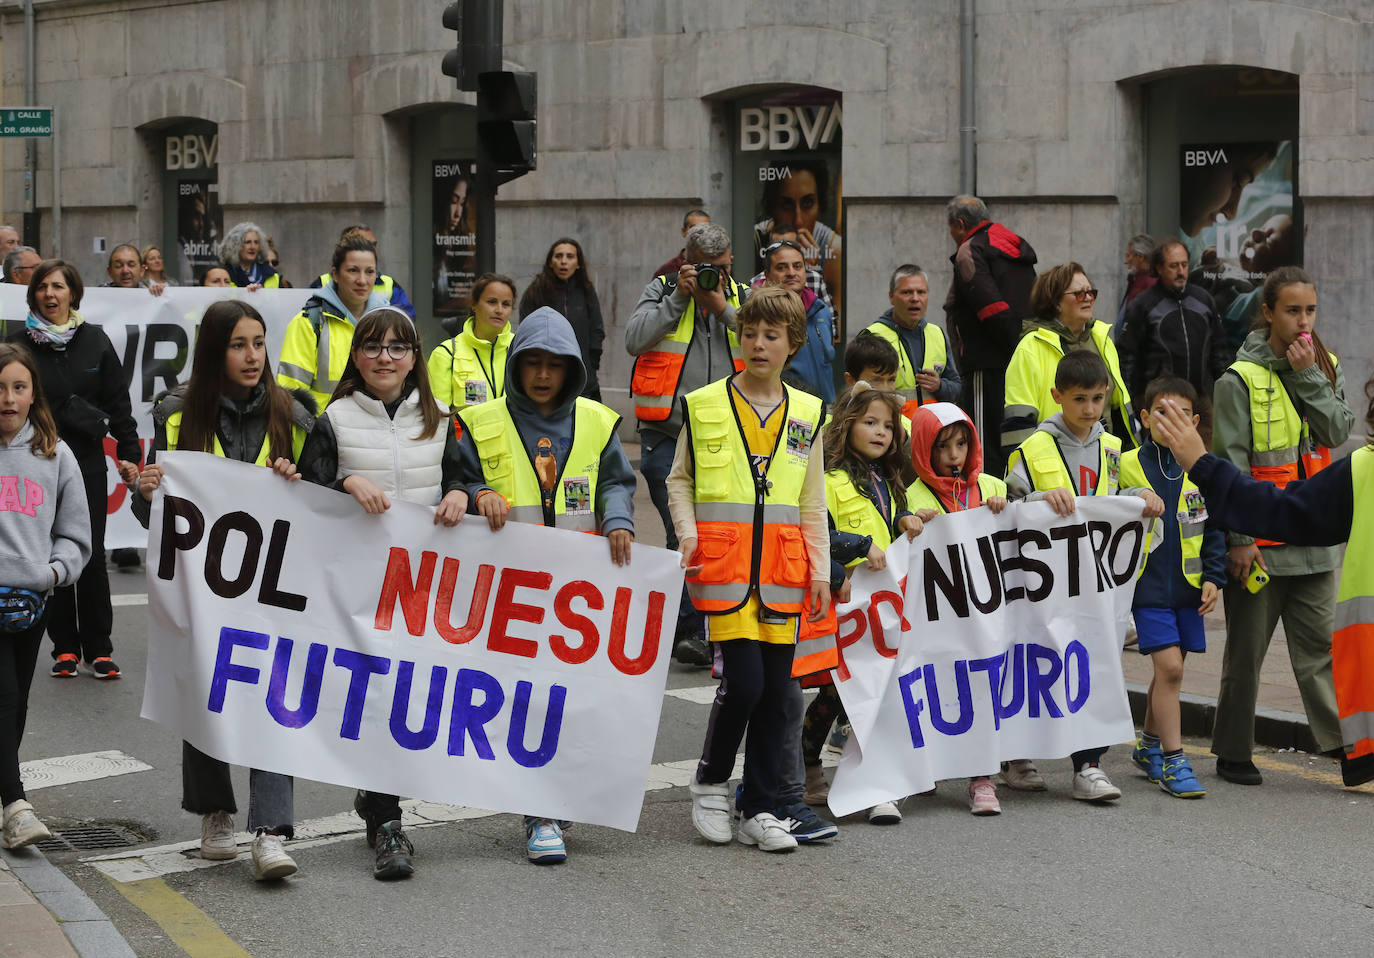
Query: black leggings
x=18 y=654
x=80 y=617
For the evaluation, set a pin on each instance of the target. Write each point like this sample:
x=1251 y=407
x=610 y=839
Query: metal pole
x=30 y=145
x=968 y=157
x=488 y=31
x=56 y=190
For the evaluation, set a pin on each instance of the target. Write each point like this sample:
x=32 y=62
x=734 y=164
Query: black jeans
x=80 y=618
x=18 y=654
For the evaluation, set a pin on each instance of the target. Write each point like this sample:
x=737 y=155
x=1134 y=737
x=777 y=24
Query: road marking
x=87 y=767
x=1311 y=774
x=698 y=694
x=129 y=598
x=193 y=931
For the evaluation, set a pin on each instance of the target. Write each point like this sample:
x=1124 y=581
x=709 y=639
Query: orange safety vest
x=656 y=374
x=1352 y=642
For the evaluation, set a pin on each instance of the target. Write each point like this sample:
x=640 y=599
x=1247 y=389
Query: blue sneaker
x=1149 y=759
x=545 y=842
x=1178 y=779
x=805 y=825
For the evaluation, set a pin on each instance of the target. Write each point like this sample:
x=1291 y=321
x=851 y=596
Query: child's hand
x=996 y=504
x=925 y=515
x=1209 y=598
x=451 y=508
x=842 y=596
x=286 y=469
x=494 y=506
x=620 y=541
x=818 y=599
x=877 y=560
x=128 y=472
x=1061 y=500
x=148 y=480
x=911 y=525
x=1154 y=506
x=688 y=548
x=367 y=494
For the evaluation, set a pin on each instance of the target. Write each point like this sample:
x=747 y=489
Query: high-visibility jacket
x=272 y=282
x=656 y=375
x=1048 y=469
x=854 y=512
x=1281 y=448
x=749 y=538
x=920 y=496
x=384 y=284
x=1352 y=643
x=1192 y=523
x=468 y=370
x=315 y=351
x=507 y=469
x=173 y=431
x=935 y=358
x=1030 y=375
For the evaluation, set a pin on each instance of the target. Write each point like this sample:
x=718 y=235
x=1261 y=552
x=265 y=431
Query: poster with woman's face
x=454 y=223
x=199 y=225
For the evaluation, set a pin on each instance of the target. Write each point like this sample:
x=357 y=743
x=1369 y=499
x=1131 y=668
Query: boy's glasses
x=398 y=351
x=1083 y=294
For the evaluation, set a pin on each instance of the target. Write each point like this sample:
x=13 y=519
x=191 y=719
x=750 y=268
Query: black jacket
x=582 y=309
x=1164 y=332
x=87 y=391
x=989 y=296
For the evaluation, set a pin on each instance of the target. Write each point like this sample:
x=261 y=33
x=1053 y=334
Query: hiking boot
x=692 y=650
x=369 y=822
x=393 y=853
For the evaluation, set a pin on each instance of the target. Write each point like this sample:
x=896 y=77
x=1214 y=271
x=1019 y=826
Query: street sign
x=25 y=121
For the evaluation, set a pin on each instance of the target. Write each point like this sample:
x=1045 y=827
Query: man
x=925 y=371
x=783 y=233
x=125 y=267
x=682 y=336
x=19 y=263
x=693 y=218
x=810 y=367
x=1172 y=328
x=1139 y=276
x=989 y=296
x=9 y=239
x=385 y=284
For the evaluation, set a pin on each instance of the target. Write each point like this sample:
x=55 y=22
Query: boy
x=1177 y=587
x=542 y=454
x=872 y=359
x=748 y=484
x=1069 y=455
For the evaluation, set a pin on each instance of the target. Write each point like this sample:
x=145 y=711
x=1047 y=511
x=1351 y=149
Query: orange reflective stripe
x=1352 y=672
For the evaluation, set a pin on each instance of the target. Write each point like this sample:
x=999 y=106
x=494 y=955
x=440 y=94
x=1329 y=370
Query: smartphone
x=1257 y=579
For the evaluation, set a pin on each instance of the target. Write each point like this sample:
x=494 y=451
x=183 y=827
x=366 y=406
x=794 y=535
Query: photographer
x=682 y=335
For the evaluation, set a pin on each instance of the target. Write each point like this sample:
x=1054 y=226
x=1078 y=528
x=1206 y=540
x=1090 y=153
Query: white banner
x=154 y=337
x=517 y=671
x=987 y=638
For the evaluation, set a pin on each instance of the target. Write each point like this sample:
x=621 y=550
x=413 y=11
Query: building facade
x=1245 y=127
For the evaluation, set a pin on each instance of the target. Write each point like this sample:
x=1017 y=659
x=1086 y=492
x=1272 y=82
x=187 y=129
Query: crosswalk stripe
x=70 y=769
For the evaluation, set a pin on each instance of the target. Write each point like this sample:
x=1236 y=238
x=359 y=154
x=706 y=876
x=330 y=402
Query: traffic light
x=477 y=47
x=506 y=104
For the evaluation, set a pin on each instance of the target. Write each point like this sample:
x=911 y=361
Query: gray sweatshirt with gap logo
x=45 y=525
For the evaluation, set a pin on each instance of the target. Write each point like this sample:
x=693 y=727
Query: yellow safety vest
x=173 y=431
x=655 y=376
x=1352 y=644
x=1030 y=375
x=854 y=512
x=507 y=469
x=1048 y=470
x=920 y=496
x=1192 y=523
x=749 y=537
x=314 y=356
x=468 y=370
x=935 y=358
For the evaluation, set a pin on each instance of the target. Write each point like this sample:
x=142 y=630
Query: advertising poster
x=200 y=223
x=1236 y=216
x=455 y=235
x=792 y=141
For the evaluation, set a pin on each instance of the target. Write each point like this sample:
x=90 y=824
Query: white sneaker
x=217 y=837
x=884 y=813
x=1022 y=775
x=270 y=860
x=711 y=811
x=1093 y=785
x=765 y=831
x=21 y=826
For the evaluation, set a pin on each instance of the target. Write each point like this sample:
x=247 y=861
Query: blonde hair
x=775 y=306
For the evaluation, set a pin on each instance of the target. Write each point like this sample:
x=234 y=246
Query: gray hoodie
x=547 y=329
x=1079 y=454
x=46 y=525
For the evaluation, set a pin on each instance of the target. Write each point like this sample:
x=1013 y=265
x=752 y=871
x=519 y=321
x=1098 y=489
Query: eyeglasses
x=398 y=351
x=1082 y=294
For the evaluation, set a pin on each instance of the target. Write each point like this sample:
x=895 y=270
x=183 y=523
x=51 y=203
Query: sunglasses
x=774 y=247
x=1082 y=294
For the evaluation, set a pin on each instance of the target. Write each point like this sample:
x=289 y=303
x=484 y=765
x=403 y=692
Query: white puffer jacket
x=385 y=451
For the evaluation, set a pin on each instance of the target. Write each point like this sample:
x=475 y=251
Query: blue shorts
x=1160 y=628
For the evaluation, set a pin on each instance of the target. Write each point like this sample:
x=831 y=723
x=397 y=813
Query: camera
x=708 y=276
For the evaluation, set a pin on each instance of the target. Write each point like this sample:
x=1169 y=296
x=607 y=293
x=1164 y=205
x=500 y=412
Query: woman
x=1278 y=411
x=1062 y=303
x=470 y=368
x=316 y=348
x=244 y=254
x=84 y=382
x=565 y=285
x=154 y=270
x=216 y=276
x=230 y=407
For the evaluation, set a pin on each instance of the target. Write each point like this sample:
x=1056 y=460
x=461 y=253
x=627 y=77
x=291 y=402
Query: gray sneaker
x=217 y=837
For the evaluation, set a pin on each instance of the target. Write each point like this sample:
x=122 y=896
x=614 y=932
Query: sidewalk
x=27 y=929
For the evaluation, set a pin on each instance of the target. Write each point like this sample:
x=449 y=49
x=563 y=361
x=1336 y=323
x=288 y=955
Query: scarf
x=44 y=333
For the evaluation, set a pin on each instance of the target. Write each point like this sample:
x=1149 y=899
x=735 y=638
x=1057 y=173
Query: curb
x=87 y=928
x=1273 y=727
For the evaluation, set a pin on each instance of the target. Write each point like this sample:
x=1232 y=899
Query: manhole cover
x=86 y=838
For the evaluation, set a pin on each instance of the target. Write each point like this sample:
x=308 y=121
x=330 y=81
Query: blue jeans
x=656 y=452
x=206 y=787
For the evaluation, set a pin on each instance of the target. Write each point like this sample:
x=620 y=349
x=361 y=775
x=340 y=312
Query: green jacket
x=1328 y=415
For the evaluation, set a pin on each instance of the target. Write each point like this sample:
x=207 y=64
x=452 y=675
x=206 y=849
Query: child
x=1177 y=587
x=747 y=496
x=470 y=368
x=384 y=435
x=45 y=542
x=873 y=360
x=1069 y=455
x=541 y=453
x=866 y=501
x=948 y=457
x=231 y=407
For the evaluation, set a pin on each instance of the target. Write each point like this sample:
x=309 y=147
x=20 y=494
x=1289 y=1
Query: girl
x=384 y=436
x=470 y=368
x=565 y=285
x=948 y=458
x=1278 y=411
x=866 y=500
x=232 y=408
x=45 y=542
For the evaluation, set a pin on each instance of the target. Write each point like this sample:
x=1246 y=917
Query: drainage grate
x=84 y=838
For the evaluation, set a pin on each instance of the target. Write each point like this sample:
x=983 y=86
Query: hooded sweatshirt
x=1082 y=456
x=955 y=494
x=546 y=329
x=46 y=526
